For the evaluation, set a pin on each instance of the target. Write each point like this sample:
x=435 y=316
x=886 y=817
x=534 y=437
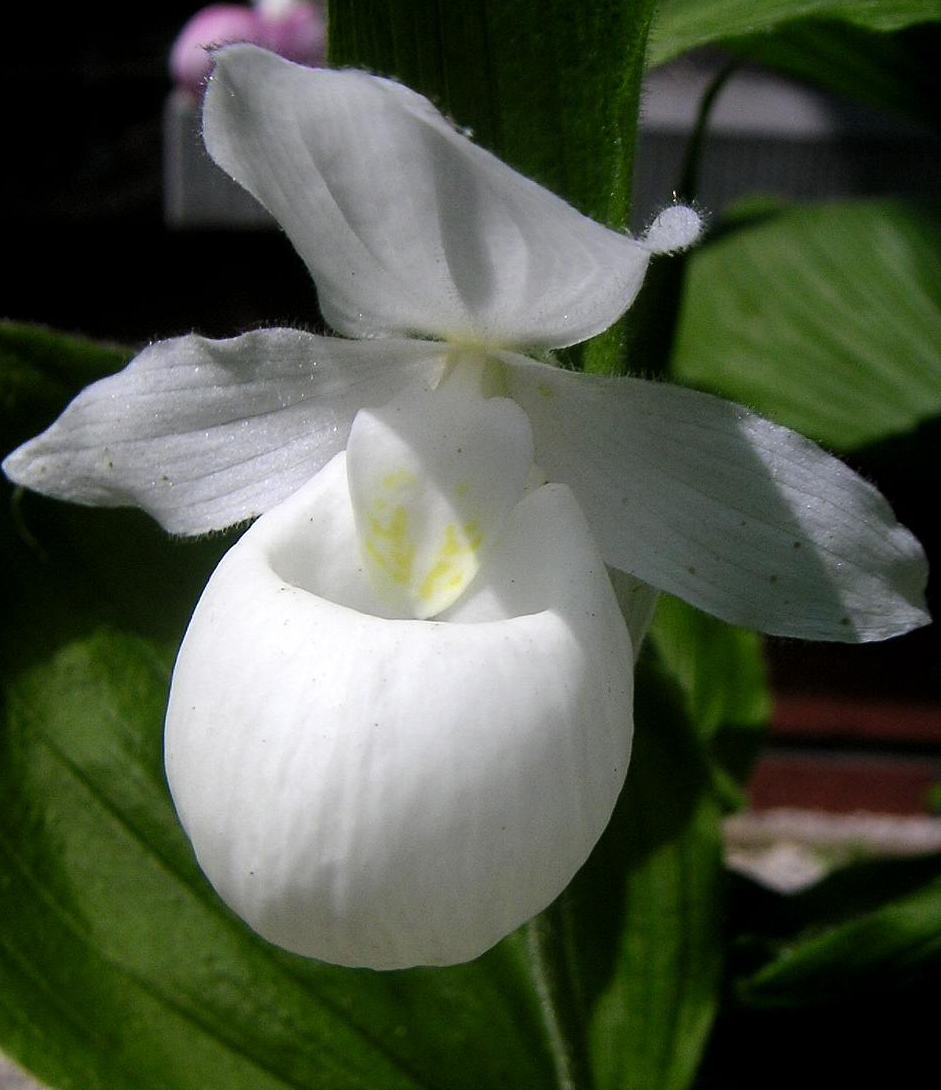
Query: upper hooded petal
x=203 y=434
x=381 y=792
x=406 y=226
x=745 y=519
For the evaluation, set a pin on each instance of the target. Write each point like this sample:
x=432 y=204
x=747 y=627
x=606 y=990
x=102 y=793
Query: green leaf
x=722 y=674
x=893 y=72
x=825 y=318
x=887 y=947
x=720 y=668
x=682 y=25
x=40 y=370
x=644 y=914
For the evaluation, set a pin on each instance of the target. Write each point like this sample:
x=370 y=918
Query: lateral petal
x=406 y=226
x=397 y=792
x=203 y=434
x=745 y=519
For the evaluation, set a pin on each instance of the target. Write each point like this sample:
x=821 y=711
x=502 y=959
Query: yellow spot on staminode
x=473 y=535
x=455 y=564
x=398 y=478
x=389 y=546
x=545 y=389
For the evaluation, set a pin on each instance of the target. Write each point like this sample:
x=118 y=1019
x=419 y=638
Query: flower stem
x=552 y=968
x=687 y=188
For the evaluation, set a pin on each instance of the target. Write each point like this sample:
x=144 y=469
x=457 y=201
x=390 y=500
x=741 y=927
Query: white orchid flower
x=401 y=715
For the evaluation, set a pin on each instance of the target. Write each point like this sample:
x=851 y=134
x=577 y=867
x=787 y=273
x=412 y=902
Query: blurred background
x=86 y=243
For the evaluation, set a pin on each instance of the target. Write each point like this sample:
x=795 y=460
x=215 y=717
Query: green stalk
x=651 y=322
x=548 y=941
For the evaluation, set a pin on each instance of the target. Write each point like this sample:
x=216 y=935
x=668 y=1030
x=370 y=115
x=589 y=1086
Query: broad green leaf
x=825 y=318
x=722 y=675
x=682 y=25
x=40 y=370
x=888 y=946
x=643 y=917
x=720 y=668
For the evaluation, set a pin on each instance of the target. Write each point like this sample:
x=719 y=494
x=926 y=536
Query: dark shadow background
x=85 y=246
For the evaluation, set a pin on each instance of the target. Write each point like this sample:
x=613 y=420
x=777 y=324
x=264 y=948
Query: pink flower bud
x=295 y=30
x=299 y=34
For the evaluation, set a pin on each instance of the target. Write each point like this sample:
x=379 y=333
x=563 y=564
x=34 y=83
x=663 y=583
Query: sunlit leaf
x=825 y=318
x=681 y=25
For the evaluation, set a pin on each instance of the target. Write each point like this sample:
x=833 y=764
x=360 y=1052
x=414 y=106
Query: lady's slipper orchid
x=373 y=788
x=400 y=717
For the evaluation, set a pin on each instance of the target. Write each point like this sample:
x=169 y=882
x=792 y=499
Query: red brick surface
x=885 y=721
x=843 y=783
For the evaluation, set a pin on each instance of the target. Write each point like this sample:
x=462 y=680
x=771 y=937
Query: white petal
x=397 y=792
x=405 y=225
x=745 y=519
x=676 y=228
x=433 y=476
x=203 y=434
